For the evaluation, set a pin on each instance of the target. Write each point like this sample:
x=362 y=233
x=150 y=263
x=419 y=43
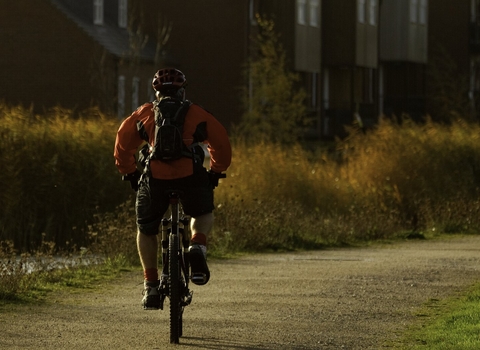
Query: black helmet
x=168 y=81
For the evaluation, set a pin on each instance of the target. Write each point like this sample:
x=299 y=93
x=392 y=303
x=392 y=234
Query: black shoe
x=198 y=264
x=151 y=297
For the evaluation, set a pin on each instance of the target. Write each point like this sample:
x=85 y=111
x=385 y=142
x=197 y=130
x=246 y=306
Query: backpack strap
x=179 y=121
x=142 y=132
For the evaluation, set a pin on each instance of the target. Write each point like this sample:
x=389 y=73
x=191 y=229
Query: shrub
x=394 y=180
x=57 y=172
x=274 y=106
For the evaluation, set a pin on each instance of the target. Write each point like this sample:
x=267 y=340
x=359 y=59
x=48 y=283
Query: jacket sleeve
x=218 y=145
x=126 y=145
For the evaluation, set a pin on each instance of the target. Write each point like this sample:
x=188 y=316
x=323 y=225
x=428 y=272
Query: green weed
x=455 y=324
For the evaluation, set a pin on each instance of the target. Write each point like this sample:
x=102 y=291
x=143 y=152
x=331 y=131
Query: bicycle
x=174 y=285
x=175 y=276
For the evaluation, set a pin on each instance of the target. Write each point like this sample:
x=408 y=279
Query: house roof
x=113 y=38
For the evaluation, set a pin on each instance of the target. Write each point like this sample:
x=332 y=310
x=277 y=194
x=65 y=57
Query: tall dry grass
x=57 y=172
x=59 y=184
x=394 y=180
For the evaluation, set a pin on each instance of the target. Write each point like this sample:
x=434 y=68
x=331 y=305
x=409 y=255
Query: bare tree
x=104 y=66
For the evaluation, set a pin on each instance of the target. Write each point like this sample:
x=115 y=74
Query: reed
x=397 y=180
x=57 y=173
x=60 y=190
x=59 y=184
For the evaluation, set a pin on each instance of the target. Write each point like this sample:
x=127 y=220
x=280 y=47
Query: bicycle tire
x=174 y=290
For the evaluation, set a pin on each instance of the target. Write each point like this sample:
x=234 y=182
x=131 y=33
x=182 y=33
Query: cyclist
x=186 y=174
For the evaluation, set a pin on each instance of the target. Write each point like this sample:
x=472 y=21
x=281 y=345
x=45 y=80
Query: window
x=473 y=12
x=314 y=13
x=368 y=81
x=326 y=89
x=122 y=13
x=302 y=12
x=135 y=88
x=414 y=11
x=251 y=13
x=121 y=97
x=361 y=11
x=422 y=12
x=326 y=101
x=372 y=12
x=98 y=12
x=314 y=89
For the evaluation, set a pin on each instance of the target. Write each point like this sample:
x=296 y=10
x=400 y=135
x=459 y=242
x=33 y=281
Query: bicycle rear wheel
x=174 y=290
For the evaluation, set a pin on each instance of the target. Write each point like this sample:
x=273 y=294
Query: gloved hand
x=213 y=178
x=133 y=178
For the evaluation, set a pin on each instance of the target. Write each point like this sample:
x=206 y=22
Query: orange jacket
x=128 y=141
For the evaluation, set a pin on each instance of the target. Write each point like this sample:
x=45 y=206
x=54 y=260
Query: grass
x=35 y=287
x=450 y=324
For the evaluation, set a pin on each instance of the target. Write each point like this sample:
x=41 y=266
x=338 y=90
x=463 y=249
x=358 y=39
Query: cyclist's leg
x=201 y=227
x=150 y=206
x=147 y=252
x=197 y=201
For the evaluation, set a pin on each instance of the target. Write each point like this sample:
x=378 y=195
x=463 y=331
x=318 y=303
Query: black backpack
x=169 y=119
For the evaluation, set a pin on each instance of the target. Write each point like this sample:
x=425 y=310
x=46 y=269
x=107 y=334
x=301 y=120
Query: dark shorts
x=152 y=199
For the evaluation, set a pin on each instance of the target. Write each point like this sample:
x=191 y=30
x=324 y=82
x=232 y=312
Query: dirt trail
x=333 y=299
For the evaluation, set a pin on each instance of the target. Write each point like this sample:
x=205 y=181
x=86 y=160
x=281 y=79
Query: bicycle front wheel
x=174 y=290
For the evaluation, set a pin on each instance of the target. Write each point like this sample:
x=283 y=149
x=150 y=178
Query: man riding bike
x=185 y=174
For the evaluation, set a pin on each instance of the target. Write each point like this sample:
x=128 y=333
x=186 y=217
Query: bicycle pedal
x=199 y=278
x=188 y=299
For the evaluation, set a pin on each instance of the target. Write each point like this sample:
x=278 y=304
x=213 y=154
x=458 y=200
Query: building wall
x=400 y=38
x=449 y=49
x=40 y=68
x=283 y=14
x=350 y=60
x=367 y=42
x=209 y=44
x=338 y=32
x=450 y=40
x=302 y=45
x=48 y=61
x=405 y=89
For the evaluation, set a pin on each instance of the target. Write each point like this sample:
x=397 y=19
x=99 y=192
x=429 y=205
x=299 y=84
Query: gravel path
x=331 y=299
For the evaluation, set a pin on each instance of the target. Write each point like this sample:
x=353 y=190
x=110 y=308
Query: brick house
x=403 y=57
x=299 y=25
x=211 y=43
x=74 y=54
x=370 y=57
x=454 y=55
x=81 y=51
x=350 y=63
